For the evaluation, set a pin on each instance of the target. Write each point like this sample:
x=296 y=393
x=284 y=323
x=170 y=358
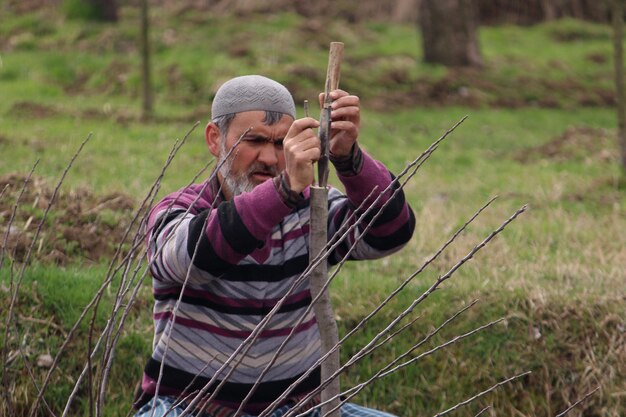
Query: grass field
x=540 y=131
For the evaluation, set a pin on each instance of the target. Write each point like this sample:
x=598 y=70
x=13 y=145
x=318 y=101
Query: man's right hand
x=302 y=150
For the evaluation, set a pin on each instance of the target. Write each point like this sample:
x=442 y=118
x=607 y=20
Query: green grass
x=555 y=274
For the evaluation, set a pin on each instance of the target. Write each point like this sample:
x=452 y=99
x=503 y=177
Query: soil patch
x=122 y=116
x=477 y=88
x=603 y=192
x=575 y=143
x=30 y=109
x=80 y=225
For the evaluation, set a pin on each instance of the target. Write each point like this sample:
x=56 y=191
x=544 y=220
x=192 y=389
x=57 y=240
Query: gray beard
x=240 y=183
x=236 y=184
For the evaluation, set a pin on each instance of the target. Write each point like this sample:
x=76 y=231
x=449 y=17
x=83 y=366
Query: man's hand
x=345 y=122
x=302 y=150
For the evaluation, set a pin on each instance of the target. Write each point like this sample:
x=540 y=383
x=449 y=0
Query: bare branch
x=390 y=368
x=138 y=241
x=480 y=394
x=571 y=407
x=337 y=239
x=188 y=274
x=5 y=346
x=36 y=235
x=482 y=411
x=414 y=165
x=433 y=287
x=13 y=213
x=151 y=195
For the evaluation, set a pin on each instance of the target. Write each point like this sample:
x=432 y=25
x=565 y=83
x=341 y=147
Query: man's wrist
x=348 y=165
x=290 y=197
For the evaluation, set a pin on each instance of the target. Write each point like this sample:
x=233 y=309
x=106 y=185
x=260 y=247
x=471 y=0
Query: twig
x=150 y=196
x=5 y=346
x=390 y=368
x=441 y=346
x=188 y=274
x=482 y=411
x=429 y=336
x=13 y=213
x=36 y=235
x=6 y=187
x=571 y=407
x=435 y=285
x=480 y=394
x=412 y=167
x=32 y=377
x=335 y=241
x=111 y=272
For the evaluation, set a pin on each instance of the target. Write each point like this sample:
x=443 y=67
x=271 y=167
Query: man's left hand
x=345 y=122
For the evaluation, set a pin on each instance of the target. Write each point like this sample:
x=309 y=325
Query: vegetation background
x=541 y=131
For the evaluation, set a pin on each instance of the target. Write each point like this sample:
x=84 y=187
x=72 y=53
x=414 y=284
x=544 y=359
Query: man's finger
x=345 y=112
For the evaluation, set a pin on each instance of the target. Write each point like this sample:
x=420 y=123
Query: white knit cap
x=252 y=92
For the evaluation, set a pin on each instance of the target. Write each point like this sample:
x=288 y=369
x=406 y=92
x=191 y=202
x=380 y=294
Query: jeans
x=163 y=404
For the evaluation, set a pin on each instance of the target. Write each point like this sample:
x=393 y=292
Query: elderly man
x=223 y=253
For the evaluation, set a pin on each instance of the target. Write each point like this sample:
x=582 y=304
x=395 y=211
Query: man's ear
x=212 y=137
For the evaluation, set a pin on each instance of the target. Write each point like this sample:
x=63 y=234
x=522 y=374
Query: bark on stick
x=319 y=236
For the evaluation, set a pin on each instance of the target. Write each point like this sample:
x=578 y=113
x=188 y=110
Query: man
x=237 y=244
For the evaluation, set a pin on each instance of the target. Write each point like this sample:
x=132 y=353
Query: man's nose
x=268 y=154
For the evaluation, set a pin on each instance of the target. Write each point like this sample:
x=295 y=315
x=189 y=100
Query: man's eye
x=255 y=140
x=279 y=144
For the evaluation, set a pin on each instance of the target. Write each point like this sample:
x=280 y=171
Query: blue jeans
x=163 y=404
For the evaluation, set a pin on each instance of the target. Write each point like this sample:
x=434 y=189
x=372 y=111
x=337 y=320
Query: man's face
x=258 y=157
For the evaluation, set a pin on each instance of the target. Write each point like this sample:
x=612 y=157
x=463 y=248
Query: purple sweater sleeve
x=390 y=228
x=213 y=239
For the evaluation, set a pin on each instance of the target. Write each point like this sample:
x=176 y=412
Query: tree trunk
x=146 y=84
x=108 y=10
x=449 y=32
x=618 y=57
x=549 y=9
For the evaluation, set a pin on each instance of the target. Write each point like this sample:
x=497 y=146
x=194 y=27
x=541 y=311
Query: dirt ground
x=79 y=225
x=584 y=143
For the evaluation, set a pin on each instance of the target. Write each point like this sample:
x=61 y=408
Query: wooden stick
x=323 y=309
x=335 y=56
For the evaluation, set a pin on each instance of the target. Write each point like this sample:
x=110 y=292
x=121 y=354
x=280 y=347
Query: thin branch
x=435 y=285
x=413 y=167
x=441 y=346
x=4 y=189
x=188 y=274
x=323 y=254
x=36 y=235
x=111 y=272
x=390 y=368
x=5 y=346
x=571 y=407
x=429 y=336
x=150 y=196
x=334 y=242
x=13 y=213
x=32 y=377
x=480 y=394
x=482 y=411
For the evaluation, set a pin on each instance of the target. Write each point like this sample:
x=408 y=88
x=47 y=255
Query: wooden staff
x=319 y=236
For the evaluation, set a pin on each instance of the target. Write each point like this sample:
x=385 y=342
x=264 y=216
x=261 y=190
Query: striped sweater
x=248 y=253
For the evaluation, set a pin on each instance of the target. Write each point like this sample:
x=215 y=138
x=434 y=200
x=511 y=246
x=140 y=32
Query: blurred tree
x=618 y=55
x=449 y=32
x=104 y=10
x=146 y=84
